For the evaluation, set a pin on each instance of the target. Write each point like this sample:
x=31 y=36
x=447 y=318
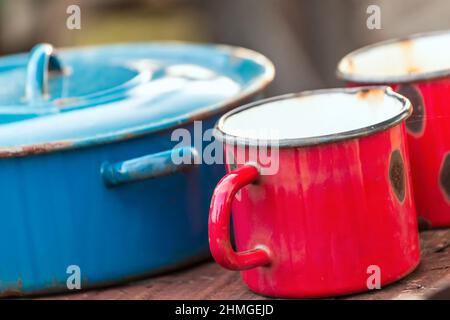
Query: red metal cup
x=417 y=67
x=339 y=205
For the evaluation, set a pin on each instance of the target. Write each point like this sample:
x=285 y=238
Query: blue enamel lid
x=57 y=99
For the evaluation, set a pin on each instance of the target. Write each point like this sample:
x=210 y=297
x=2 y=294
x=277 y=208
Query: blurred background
x=304 y=38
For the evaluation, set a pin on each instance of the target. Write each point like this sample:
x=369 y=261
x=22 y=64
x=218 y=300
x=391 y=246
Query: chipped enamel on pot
x=86 y=176
x=417 y=67
x=340 y=202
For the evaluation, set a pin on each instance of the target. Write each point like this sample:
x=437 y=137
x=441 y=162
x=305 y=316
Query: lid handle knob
x=42 y=61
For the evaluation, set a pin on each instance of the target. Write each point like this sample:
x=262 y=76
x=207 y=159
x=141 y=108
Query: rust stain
x=129 y=136
x=371 y=95
x=412 y=70
x=348 y=65
x=13 y=291
x=406 y=45
x=397 y=175
x=407 y=49
x=66 y=101
x=9 y=152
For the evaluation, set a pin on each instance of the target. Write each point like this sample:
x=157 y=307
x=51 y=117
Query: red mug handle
x=219 y=223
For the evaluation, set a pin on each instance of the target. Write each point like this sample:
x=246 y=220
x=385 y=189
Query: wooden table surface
x=209 y=281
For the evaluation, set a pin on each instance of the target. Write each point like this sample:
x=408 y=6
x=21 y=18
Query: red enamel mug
x=417 y=67
x=335 y=208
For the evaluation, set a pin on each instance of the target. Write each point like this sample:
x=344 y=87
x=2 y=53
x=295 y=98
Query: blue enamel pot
x=89 y=190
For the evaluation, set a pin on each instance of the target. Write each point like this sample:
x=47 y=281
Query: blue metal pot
x=86 y=177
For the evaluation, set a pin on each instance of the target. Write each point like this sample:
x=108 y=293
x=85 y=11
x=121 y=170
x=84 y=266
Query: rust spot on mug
x=407 y=48
x=363 y=93
x=397 y=175
x=350 y=65
x=406 y=45
x=371 y=95
x=415 y=122
x=413 y=70
x=444 y=176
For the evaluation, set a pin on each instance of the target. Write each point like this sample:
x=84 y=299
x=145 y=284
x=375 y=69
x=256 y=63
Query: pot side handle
x=149 y=166
x=219 y=223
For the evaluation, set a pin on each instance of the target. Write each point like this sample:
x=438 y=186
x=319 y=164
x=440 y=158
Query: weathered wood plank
x=209 y=281
x=433 y=271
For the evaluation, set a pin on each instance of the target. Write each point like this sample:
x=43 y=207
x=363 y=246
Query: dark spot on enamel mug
x=415 y=122
x=444 y=177
x=397 y=175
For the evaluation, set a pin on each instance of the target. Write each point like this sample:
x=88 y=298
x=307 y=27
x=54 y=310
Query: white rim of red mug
x=407 y=78
x=404 y=113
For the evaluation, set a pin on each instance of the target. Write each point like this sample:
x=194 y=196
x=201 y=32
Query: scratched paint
x=415 y=123
x=397 y=175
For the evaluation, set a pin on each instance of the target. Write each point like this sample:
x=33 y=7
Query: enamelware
x=417 y=67
x=334 y=214
x=86 y=171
